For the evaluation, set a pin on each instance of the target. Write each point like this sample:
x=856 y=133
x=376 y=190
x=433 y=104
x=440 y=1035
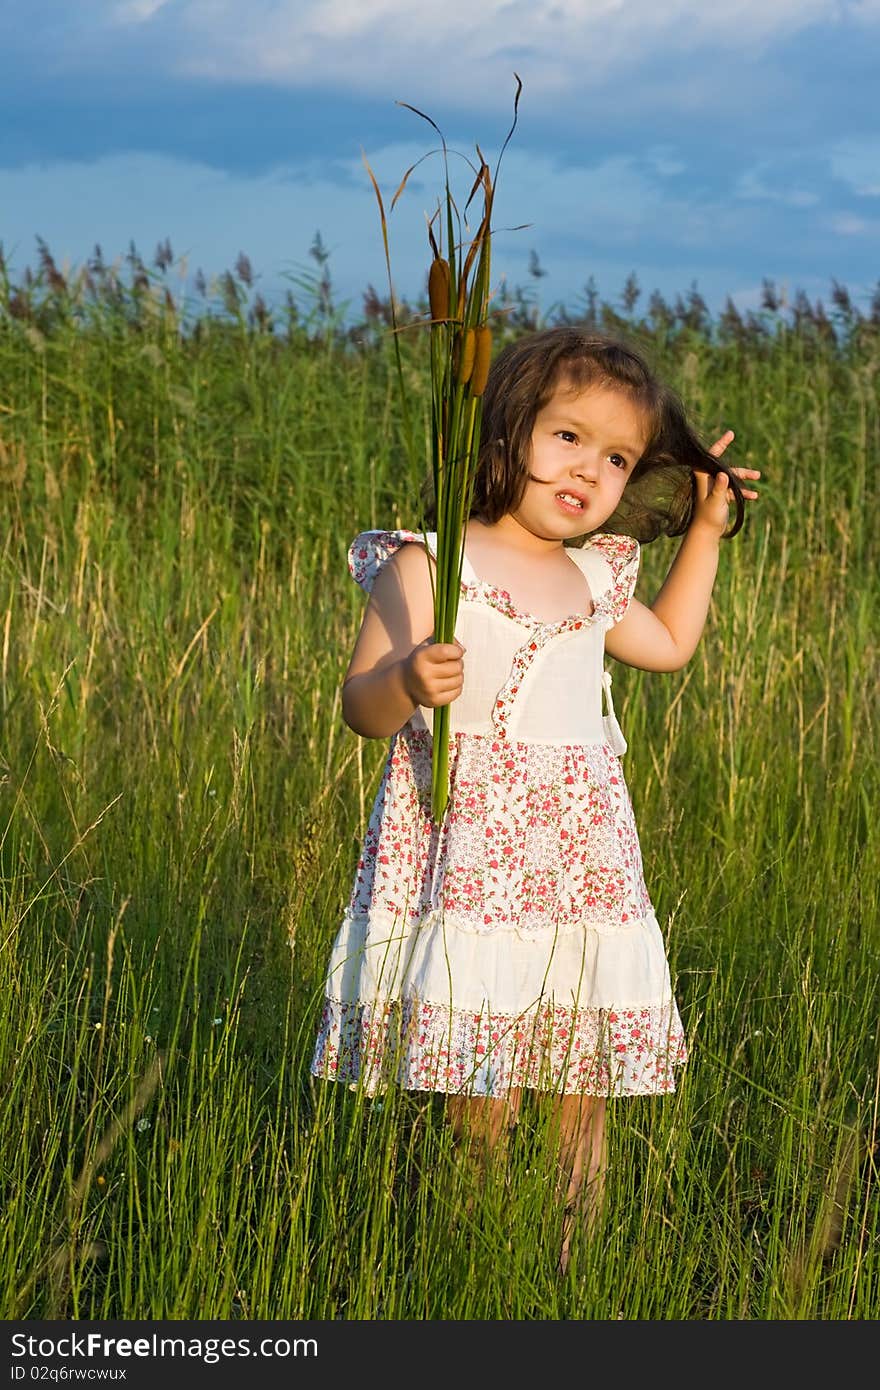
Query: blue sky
x=707 y=141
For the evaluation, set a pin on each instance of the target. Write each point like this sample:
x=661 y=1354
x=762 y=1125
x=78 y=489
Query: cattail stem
x=461 y=342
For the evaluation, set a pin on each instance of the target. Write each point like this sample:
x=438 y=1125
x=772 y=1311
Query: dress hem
x=629 y=1050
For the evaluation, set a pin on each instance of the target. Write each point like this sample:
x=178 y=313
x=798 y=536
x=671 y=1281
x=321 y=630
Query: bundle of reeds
x=461 y=349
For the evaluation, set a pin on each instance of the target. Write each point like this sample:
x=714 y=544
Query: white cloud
x=460 y=50
x=469 y=52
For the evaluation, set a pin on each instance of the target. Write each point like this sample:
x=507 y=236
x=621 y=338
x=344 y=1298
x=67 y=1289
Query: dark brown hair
x=659 y=495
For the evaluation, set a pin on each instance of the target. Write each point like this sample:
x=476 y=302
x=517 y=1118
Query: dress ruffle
x=379 y=956
x=554 y=1021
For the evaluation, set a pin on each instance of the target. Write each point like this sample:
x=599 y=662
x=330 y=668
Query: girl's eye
x=618 y=460
x=567 y=435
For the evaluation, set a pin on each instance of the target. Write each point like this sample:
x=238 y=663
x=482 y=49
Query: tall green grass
x=181 y=813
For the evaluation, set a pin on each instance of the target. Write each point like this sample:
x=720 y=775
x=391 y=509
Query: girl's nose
x=587 y=466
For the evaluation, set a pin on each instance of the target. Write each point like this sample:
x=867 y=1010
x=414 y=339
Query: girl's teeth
x=573 y=501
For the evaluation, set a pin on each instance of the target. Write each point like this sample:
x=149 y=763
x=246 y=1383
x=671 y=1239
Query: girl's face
x=585 y=444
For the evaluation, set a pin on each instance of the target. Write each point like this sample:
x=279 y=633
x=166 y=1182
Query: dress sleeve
x=623 y=554
x=370 y=550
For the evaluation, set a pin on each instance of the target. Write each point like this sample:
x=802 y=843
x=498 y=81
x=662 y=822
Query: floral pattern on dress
x=537 y=838
x=623 y=554
x=432 y=1047
x=370 y=550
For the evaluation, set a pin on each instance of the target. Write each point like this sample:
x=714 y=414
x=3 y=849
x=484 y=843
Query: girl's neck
x=516 y=537
x=535 y=572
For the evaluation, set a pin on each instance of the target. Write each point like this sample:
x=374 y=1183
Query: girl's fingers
x=719 y=487
x=741 y=473
x=717 y=449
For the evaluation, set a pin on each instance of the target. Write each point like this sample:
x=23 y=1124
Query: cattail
x=482 y=356
x=439 y=288
x=460 y=348
x=463 y=354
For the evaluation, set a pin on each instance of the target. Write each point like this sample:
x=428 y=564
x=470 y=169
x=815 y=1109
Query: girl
x=514 y=946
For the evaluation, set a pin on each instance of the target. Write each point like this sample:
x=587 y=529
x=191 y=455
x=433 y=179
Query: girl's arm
x=395 y=665
x=664 y=636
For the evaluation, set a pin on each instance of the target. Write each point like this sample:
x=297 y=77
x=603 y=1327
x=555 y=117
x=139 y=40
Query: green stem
x=440 y=763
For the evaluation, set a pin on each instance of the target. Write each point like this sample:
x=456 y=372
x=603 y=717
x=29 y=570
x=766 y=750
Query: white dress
x=515 y=944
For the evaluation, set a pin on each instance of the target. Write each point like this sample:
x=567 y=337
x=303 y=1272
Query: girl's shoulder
x=611 y=565
x=370 y=551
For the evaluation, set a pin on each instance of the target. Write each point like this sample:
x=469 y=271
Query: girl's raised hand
x=713 y=494
x=433 y=673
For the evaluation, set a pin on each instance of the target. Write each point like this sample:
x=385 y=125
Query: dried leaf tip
x=439 y=288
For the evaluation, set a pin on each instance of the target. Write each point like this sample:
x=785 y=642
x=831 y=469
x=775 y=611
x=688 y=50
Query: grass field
x=182 y=807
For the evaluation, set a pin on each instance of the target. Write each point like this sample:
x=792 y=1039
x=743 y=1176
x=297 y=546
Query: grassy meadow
x=182 y=807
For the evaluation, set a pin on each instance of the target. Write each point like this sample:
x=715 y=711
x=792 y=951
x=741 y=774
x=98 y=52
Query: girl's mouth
x=569 y=503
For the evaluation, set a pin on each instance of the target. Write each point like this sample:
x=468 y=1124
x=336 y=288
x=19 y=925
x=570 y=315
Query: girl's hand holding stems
x=396 y=665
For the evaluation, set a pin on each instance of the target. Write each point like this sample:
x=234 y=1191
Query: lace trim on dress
x=480 y=591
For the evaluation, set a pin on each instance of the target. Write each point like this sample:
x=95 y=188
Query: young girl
x=514 y=945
